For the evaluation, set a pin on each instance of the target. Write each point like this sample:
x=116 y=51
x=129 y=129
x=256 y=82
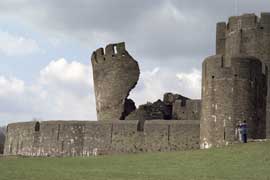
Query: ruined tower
x=234 y=82
x=115 y=74
x=247 y=35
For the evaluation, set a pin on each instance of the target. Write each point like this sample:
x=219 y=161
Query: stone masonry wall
x=115 y=74
x=84 y=138
x=191 y=109
x=230 y=95
x=247 y=35
x=173 y=106
x=151 y=111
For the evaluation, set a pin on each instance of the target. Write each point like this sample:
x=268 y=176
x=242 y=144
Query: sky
x=45 y=50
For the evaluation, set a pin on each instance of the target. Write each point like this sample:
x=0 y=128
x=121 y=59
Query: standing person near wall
x=243 y=131
x=237 y=132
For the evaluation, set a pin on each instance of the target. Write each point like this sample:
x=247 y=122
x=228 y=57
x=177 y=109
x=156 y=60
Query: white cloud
x=62 y=91
x=150 y=87
x=61 y=70
x=190 y=83
x=153 y=84
x=69 y=87
x=13 y=45
x=10 y=86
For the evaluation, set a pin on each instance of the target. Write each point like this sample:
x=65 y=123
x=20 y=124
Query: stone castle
x=234 y=88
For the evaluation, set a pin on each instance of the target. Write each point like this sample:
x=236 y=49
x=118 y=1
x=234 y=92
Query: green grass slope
x=245 y=161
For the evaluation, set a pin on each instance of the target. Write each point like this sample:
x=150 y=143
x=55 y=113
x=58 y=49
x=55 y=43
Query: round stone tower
x=232 y=92
x=247 y=35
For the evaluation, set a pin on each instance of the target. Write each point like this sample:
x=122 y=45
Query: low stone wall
x=188 y=109
x=85 y=138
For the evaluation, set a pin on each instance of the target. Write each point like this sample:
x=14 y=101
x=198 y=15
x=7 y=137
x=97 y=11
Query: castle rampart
x=83 y=138
x=190 y=109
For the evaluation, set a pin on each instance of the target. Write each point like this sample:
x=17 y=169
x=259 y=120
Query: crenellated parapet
x=241 y=67
x=247 y=34
x=116 y=50
x=244 y=22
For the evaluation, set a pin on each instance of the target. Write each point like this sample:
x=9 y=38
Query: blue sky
x=45 y=50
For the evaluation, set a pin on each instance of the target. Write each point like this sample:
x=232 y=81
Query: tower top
x=246 y=21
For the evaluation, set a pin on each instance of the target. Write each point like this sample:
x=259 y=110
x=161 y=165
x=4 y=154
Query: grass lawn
x=244 y=161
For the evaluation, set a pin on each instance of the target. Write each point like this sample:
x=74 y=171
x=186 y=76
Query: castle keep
x=234 y=89
x=246 y=35
x=231 y=94
x=234 y=82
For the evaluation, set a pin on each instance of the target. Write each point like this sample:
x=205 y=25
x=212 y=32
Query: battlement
x=241 y=22
x=213 y=67
x=265 y=18
x=220 y=38
x=111 y=51
x=240 y=67
x=245 y=21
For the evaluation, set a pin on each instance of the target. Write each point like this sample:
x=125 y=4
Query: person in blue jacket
x=243 y=131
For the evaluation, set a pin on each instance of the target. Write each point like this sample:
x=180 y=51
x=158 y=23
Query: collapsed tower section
x=115 y=74
x=232 y=93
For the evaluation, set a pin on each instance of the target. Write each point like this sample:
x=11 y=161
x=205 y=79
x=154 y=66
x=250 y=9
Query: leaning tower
x=234 y=82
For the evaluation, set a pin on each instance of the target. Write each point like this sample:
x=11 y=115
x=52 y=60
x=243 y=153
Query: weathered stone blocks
x=85 y=138
x=249 y=35
x=184 y=135
x=151 y=111
x=187 y=110
x=232 y=94
x=173 y=106
x=115 y=74
x=126 y=138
